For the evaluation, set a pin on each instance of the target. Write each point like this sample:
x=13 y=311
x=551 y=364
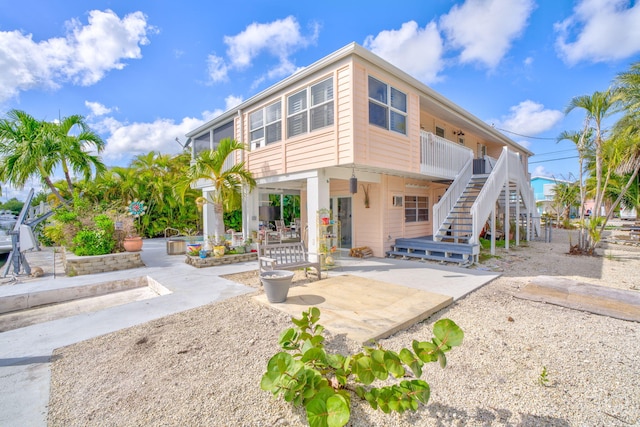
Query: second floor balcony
x=441 y=158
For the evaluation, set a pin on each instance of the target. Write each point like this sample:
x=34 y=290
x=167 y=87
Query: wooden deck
x=426 y=248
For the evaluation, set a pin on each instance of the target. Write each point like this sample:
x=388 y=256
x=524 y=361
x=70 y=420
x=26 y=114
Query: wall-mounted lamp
x=353 y=182
x=459 y=132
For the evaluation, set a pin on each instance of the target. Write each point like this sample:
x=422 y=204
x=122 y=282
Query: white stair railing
x=507 y=169
x=448 y=201
x=485 y=202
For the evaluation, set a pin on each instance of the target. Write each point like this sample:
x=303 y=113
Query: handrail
x=507 y=169
x=450 y=197
x=487 y=197
x=440 y=157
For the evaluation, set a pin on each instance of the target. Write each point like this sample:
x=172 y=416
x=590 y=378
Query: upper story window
x=265 y=125
x=210 y=140
x=439 y=131
x=387 y=106
x=310 y=108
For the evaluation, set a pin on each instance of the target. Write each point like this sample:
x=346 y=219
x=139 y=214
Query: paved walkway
x=25 y=353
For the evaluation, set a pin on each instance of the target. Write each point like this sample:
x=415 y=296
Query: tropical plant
x=74 y=141
x=95 y=240
x=34 y=149
x=597 y=107
x=307 y=375
x=26 y=151
x=566 y=195
x=226 y=182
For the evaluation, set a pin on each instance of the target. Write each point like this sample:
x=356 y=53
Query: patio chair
x=282 y=229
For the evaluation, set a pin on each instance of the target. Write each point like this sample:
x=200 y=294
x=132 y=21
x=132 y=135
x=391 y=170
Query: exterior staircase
x=451 y=242
x=458 y=225
x=472 y=199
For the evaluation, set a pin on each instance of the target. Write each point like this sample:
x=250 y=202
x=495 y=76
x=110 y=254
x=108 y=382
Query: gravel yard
x=203 y=366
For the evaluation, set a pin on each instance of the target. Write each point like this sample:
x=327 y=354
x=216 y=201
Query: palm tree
x=27 y=150
x=226 y=182
x=74 y=149
x=584 y=145
x=566 y=195
x=597 y=107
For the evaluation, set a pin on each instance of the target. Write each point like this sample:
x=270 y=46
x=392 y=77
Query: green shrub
x=93 y=242
x=306 y=375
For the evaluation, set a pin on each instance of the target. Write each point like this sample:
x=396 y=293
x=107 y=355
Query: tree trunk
x=54 y=190
x=218 y=222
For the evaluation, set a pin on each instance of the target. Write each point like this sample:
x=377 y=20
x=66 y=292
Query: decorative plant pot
x=276 y=284
x=194 y=247
x=218 y=251
x=132 y=244
x=239 y=249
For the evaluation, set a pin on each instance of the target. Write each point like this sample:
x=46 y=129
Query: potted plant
x=219 y=250
x=132 y=240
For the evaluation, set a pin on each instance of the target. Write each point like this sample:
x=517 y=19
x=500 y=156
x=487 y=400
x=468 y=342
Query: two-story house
x=352 y=128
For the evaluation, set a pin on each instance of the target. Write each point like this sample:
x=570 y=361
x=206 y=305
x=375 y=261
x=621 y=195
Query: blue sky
x=146 y=72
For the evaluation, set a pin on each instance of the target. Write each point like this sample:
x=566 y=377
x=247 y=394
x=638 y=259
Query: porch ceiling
x=470 y=123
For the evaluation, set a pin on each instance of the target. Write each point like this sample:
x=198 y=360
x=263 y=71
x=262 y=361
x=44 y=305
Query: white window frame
x=309 y=109
x=392 y=111
x=264 y=123
x=417 y=208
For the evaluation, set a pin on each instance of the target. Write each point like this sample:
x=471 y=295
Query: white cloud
x=217 y=69
x=96 y=108
x=529 y=118
x=83 y=57
x=418 y=51
x=126 y=140
x=279 y=39
x=485 y=29
x=232 y=101
x=130 y=139
x=542 y=171
x=599 y=31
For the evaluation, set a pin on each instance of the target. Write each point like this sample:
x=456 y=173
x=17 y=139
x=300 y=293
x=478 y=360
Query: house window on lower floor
x=416 y=208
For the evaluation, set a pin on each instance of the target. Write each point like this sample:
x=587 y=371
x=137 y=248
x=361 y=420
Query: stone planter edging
x=213 y=261
x=75 y=265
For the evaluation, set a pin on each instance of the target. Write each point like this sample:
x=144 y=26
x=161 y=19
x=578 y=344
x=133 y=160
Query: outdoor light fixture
x=353 y=183
x=459 y=133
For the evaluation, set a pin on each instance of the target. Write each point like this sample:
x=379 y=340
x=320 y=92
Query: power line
x=555 y=152
x=553 y=160
x=525 y=136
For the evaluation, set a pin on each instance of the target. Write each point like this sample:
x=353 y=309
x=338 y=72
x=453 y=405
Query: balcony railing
x=440 y=157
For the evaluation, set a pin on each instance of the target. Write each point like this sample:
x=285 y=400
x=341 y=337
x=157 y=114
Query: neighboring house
x=544 y=192
x=353 y=116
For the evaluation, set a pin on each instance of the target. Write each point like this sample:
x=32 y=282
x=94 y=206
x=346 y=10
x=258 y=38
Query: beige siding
x=265 y=162
x=344 y=115
x=380 y=147
x=367 y=222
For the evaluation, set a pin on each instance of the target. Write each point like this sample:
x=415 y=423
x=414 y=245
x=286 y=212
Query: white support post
x=208 y=216
x=493 y=230
x=250 y=210
x=317 y=198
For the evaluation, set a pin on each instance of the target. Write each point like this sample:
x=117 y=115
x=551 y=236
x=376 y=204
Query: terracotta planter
x=132 y=244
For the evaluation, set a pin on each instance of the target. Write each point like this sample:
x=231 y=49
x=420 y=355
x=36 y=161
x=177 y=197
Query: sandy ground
x=203 y=367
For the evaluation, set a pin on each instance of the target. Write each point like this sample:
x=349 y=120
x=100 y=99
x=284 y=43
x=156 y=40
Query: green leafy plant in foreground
x=306 y=375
